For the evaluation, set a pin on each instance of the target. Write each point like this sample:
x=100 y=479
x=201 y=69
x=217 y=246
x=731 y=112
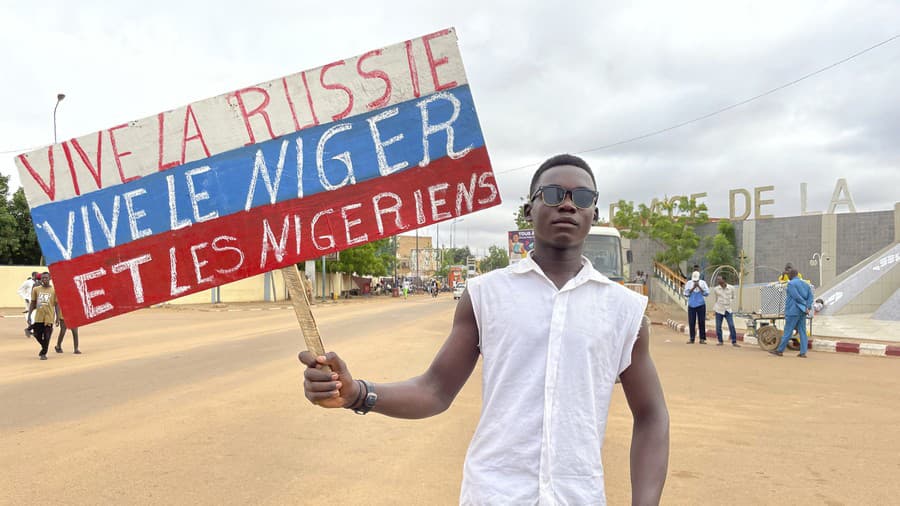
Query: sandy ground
x=195 y=406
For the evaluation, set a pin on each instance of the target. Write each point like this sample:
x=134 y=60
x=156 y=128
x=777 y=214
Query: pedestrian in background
x=785 y=277
x=46 y=311
x=818 y=306
x=798 y=304
x=62 y=335
x=696 y=291
x=25 y=288
x=723 y=308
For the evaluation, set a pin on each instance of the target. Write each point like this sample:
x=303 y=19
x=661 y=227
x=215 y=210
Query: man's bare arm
x=419 y=397
x=650 y=437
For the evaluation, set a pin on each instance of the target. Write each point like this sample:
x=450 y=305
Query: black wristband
x=360 y=394
x=368 y=401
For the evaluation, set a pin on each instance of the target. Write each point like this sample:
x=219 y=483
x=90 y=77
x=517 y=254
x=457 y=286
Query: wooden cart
x=768 y=335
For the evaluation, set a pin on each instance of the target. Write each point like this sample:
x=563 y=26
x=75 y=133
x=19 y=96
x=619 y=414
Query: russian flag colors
x=259 y=178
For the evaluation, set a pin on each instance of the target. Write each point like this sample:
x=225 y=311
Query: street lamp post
x=437 y=228
x=59 y=98
x=395 y=261
x=817 y=260
x=453 y=231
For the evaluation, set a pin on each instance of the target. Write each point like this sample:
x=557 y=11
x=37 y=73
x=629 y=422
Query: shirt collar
x=528 y=264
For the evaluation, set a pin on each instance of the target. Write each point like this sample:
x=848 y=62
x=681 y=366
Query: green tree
x=669 y=223
x=452 y=256
x=457 y=256
x=29 y=251
x=365 y=259
x=9 y=229
x=519 y=215
x=722 y=250
x=497 y=258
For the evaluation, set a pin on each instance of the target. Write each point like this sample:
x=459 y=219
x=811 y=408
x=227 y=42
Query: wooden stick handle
x=297 y=288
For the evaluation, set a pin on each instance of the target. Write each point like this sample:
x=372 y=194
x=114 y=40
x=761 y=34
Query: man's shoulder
x=625 y=296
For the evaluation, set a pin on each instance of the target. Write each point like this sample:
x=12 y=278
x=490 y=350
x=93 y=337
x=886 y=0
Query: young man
x=24 y=290
x=798 y=304
x=551 y=355
x=696 y=290
x=43 y=302
x=724 y=301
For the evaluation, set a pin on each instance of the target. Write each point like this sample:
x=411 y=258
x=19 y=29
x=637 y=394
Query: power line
x=669 y=128
x=723 y=109
x=20 y=150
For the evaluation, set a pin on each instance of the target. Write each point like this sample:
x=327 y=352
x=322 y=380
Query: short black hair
x=556 y=161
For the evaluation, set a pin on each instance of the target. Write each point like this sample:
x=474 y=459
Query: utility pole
x=395 y=261
x=59 y=98
x=323 y=278
x=741 y=281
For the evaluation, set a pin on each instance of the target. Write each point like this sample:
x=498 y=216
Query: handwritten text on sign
x=250 y=181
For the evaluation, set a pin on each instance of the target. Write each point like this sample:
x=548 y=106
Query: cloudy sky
x=546 y=79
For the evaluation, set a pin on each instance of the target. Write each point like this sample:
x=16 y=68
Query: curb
x=817 y=344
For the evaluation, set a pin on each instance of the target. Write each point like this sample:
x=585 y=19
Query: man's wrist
x=368 y=398
x=360 y=396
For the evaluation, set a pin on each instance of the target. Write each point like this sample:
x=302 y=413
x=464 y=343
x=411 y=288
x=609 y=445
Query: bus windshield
x=605 y=253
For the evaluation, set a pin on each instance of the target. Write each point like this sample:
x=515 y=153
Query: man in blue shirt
x=798 y=304
x=695 y=290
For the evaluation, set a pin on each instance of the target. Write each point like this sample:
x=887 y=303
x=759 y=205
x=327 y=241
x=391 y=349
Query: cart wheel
x=768 y=337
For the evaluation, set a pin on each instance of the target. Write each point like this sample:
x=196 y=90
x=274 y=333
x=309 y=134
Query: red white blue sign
x=259 y=178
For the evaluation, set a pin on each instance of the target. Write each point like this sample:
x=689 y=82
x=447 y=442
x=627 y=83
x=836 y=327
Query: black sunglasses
x=554 y=195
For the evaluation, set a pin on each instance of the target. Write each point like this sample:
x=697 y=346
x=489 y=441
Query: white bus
x=603 y=247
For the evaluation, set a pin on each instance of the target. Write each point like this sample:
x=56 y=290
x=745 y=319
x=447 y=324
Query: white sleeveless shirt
x=550 y=360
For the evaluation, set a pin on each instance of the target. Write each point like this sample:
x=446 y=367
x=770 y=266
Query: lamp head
x=60 y=96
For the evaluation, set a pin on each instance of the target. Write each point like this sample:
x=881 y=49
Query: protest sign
x=259 y=178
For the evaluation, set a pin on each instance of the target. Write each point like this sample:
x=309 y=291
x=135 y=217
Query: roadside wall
x=251 y=289
x=843 y=240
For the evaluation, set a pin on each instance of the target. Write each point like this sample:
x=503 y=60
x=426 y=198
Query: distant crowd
x=799 y=305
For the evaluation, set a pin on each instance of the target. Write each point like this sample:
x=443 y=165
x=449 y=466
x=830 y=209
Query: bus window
x=604 y=252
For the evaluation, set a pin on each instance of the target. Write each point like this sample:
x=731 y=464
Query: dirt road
x=195 y=407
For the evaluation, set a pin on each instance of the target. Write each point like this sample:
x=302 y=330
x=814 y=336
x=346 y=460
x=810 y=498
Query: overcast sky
x=545 y=80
